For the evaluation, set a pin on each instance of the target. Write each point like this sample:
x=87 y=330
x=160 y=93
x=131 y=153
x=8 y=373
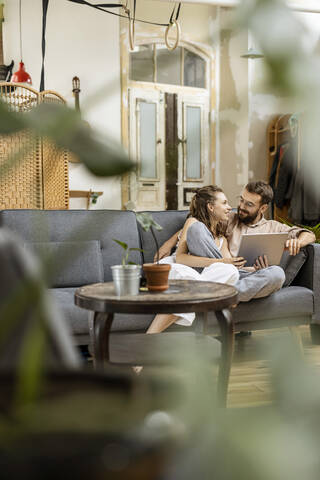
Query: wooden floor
x=250 y=383
x=250 y=380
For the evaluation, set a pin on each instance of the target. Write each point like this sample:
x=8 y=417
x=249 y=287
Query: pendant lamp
x=252 y=53
x=21 y=76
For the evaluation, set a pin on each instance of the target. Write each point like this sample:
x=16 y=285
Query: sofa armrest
x=309 y=277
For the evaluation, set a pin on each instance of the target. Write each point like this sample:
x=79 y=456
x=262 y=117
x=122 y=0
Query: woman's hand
x=164 y=251
x=238 y=262
x=261 y=262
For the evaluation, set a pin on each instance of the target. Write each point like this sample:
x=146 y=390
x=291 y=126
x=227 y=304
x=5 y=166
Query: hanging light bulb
x=21 y=76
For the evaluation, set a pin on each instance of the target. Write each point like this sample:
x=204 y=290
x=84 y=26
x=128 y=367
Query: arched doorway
x=168 y=104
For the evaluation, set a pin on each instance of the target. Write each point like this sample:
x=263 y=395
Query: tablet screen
x=255 y=245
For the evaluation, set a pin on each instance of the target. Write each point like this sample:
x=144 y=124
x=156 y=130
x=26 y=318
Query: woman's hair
x=199 y=209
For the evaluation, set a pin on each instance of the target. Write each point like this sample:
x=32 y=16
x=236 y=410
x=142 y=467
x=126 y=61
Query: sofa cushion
x=72 y=264
x=279 y=308
x=171 y=221
x=78 y=225
x=292 y=265
x=77 y=318
x=286 y=302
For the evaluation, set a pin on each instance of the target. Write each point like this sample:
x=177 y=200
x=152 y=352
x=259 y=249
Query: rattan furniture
x=39 y=178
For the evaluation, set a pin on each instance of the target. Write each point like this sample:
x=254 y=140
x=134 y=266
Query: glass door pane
x=148 y=139
x=141 y=63
x=194 y=70
x=168 y=65
x=147 y=148
x=193 y=147
x=194 y=166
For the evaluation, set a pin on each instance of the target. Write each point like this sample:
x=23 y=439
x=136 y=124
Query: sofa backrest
x=54 y=226
x=171 y=221
x=78 y=226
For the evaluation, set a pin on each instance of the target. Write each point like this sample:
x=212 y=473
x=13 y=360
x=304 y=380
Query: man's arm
x=165 y=249
x=297 y=237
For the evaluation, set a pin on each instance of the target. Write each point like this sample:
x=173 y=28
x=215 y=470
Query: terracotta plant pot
x=157 y=276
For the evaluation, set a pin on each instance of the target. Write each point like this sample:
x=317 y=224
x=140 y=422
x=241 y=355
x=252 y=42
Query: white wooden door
x=194 y=169
x=147 y=147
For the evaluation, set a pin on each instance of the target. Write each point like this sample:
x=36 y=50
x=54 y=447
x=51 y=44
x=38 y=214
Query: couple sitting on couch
x=210 y=239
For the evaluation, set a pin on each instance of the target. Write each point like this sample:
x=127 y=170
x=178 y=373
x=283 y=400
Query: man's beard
x=248 y=219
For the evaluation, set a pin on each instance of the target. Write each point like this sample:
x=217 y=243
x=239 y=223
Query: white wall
x=232 y=166
x=80 y=41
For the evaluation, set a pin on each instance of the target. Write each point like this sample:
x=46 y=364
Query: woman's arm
x=165 y=249
x=183 y=257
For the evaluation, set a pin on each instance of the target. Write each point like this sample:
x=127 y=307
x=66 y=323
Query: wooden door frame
x=204 y=51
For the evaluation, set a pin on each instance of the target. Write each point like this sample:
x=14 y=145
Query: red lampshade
x=21 y=76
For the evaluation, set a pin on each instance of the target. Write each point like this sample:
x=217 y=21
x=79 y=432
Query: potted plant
x=157 y=274
x=126 y=277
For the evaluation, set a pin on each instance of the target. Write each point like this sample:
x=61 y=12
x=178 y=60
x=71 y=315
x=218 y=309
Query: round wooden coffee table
x=183 y=296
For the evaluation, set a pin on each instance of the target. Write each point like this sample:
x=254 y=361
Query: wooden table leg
x=99 y=331
x=201 y=323
x=226 y=325
x=297 y=340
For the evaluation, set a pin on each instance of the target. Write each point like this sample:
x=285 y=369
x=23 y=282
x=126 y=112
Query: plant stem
x=156 y=242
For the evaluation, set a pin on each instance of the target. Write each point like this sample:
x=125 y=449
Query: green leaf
x=10 y=122
x=30 y=369
x=101 y=155
x=136 y=249
x=122 y=244
x=146 y=221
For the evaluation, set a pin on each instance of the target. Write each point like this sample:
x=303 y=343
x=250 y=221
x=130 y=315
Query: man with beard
x=249 y=218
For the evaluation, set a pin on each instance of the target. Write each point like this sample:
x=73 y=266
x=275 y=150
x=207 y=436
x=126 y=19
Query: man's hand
x=238 y=262
x=293 y=245
x=261 y=262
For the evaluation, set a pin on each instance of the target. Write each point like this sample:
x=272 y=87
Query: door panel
x=147 y=144
x=171 y=146
x=193 y=154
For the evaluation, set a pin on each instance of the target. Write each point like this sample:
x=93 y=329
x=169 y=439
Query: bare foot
x=137 y=369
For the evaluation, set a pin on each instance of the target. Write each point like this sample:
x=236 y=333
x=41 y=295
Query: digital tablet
x=255 y=245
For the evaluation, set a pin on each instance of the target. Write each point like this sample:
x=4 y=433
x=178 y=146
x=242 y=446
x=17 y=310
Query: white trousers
x=217 y=272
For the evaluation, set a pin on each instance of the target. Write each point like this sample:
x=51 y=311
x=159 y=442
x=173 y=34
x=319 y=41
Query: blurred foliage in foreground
x=276 y=442
x=100 y=154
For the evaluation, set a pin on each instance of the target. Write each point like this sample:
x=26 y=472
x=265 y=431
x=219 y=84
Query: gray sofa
x=81 y=243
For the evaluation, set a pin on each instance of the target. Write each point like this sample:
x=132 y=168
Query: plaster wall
x=80 y=41
x=232 y=164
x=195 y=20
